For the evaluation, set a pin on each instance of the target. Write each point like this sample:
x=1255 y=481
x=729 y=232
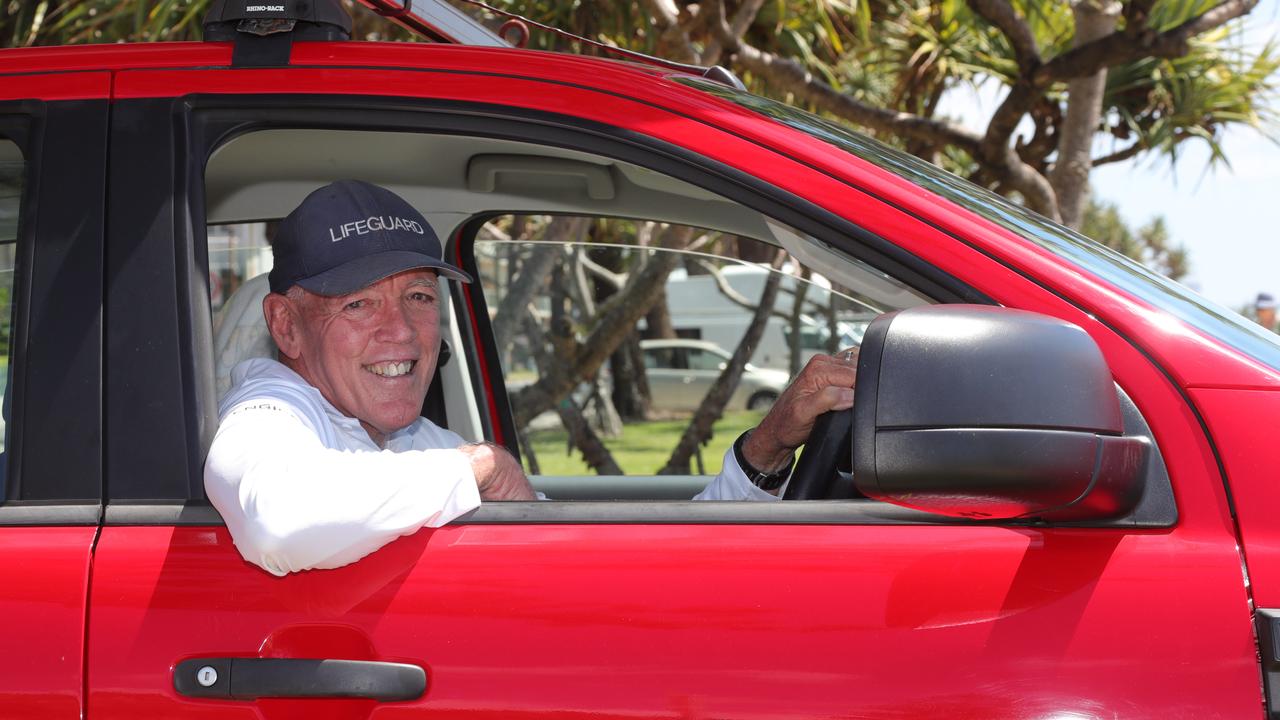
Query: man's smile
x=392 y=368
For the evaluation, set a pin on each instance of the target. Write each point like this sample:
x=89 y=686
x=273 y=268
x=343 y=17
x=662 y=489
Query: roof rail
x=409 y=16
x=436 y=20
x=264 y=30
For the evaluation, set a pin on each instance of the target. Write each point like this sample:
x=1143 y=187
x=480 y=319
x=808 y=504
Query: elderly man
x=323 y=457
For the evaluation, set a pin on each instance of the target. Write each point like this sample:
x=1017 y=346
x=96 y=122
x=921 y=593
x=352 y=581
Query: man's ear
x=281 y=313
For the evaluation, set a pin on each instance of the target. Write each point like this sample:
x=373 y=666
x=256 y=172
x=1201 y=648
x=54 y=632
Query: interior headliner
x=263 y=175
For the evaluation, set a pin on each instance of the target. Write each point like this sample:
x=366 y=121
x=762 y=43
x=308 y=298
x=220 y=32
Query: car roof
x=214 y=55
x=681 y=342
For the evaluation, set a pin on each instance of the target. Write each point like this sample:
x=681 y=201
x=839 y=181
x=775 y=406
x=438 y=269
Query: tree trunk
x=594 y=452
x=1070 y=175
x=533 y=273
x=526 y=450
x=583 y=295
x=797 y=310
x=657 y=323
x=631 y=395
x=833 y=324
x=615 y=320
x=712 y=407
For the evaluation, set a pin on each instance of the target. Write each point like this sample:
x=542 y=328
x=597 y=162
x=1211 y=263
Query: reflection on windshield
x=1209 y=317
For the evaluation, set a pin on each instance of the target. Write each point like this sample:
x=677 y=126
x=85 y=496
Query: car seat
x=240 y=331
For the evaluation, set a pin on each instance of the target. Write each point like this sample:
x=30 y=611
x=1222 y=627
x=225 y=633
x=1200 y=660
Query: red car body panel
x=61 y=86
x=707 y=620
x=1249 y=419
x=536 y=620
x=45 y=575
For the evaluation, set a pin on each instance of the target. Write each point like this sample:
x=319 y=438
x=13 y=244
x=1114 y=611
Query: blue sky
x=1228 y=218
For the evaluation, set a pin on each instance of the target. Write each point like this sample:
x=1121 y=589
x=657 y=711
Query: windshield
x=1160 y=292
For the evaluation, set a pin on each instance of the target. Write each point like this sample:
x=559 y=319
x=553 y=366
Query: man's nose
x=396 y=325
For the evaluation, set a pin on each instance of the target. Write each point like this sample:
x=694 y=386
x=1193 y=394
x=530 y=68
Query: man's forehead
x=416 y=278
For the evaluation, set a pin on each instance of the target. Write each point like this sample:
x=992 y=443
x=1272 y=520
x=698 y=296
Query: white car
x=681 y=372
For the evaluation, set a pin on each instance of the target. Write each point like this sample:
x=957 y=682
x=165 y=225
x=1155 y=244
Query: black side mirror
x=989 y=413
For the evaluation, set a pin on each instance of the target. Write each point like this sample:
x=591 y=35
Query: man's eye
x=422 y=297
x=355 y=305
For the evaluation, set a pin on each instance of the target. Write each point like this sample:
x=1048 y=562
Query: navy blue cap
x=350 y=234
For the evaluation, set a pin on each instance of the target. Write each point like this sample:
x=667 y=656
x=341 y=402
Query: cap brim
x=365 y=271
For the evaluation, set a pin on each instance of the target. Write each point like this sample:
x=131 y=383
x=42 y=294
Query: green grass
x=643 y=447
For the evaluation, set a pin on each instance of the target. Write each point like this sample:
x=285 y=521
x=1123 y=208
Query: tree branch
x=1135 y=15
x=1001 y=14
x=614 y=319
x=1120 y=155
x=730 y=293
x=617 y=280
x=786 y=73
x=737 y=27
x=1129 y=45
x=673 y=35
x=1006 y=165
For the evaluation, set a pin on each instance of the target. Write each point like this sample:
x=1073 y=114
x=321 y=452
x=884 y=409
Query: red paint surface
x=1245 y=425
x=706 y=621
x=56 y=86
x=44 y=572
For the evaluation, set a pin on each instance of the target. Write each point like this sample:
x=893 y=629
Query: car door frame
x=176 y=500
x=52 y=501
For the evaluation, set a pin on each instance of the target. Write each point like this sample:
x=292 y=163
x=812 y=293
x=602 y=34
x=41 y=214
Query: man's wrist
x=764 y=455
x=768 y=478
x=483 y=462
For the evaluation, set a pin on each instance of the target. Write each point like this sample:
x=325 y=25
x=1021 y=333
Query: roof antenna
x=264 y=30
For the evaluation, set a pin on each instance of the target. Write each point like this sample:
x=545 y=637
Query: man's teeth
x=392 y=369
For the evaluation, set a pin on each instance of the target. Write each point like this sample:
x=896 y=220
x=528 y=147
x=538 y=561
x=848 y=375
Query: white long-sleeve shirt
x=302 y=486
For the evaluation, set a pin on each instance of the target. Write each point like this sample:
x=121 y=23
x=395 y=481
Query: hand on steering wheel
x=828 y=450
x=823 y=386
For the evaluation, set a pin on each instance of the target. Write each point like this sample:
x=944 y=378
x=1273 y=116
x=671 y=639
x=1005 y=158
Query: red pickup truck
x=1055 y=503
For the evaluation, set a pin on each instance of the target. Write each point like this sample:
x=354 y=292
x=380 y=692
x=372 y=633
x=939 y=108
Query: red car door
x=52 y=155
x=627 y=609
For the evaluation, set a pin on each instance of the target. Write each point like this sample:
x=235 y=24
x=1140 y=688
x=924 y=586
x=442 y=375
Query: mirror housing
x=983 y=412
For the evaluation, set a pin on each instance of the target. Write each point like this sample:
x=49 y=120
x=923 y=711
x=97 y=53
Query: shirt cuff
x=732 y=484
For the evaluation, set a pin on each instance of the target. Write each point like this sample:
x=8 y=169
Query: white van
x=701 y=309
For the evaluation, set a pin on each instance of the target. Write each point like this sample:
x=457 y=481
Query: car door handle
x=252 y=678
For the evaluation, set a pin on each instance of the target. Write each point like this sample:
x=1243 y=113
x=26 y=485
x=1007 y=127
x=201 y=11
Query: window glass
x=1159 y=291
x=12 y=173
x=703 y=360
x=239 y=259
x=237 y=253
x=607 y=330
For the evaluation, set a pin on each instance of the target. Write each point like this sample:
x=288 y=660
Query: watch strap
x=765 y=480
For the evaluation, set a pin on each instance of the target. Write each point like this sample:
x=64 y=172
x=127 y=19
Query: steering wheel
x=827 y=454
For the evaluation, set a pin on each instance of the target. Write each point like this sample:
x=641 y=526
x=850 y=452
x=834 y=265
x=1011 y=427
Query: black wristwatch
x=764 y=480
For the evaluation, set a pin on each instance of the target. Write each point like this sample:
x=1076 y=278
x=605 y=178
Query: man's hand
x=825 y=384
x=498 y=475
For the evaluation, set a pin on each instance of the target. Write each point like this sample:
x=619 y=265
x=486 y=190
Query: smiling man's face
x=371 y=353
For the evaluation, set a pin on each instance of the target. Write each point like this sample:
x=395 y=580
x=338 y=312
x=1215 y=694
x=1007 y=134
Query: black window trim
x=54 y=448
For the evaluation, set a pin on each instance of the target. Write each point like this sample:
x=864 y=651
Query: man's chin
x=393 y=422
